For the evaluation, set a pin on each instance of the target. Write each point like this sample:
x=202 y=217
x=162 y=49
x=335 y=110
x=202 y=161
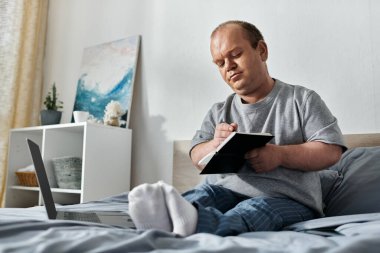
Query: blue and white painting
x=107 y=73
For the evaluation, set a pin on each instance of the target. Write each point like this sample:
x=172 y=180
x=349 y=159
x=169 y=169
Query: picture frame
x=107 y=74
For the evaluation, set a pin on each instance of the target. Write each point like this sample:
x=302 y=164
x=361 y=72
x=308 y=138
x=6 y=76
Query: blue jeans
x=224 y=212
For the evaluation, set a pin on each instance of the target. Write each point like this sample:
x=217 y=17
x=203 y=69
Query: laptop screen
x=42 y=179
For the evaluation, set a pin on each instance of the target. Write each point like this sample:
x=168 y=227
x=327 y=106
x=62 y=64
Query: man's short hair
x=253 y=34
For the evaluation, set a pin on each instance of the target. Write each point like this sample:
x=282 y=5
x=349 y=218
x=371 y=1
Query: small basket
x=27 y=178
x=68 y=171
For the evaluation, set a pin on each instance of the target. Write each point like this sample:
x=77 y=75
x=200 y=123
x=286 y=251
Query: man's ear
x=263 y=50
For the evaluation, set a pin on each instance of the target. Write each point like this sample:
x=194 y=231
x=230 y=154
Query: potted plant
x=51 y=115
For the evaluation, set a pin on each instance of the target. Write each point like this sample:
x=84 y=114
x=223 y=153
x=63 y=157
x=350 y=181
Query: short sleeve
x=318 y=122
x=206 y=133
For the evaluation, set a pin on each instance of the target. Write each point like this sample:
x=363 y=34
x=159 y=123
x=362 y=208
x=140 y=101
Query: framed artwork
x=107 y=74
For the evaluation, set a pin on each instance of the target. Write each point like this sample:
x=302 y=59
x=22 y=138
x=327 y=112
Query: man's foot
x=147 y=207
x=183 y=214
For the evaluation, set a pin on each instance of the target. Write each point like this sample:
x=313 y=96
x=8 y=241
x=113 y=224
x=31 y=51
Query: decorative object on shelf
x=68 y=172
x=80 y=116
x=107 y=73
x=51 y=115
x=27 y=176
x=112 y=113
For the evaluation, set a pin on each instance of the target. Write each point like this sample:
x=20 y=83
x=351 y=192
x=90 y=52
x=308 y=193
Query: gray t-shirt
x=294 y=115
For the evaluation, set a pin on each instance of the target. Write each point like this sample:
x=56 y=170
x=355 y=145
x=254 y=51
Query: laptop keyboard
x=91 y=217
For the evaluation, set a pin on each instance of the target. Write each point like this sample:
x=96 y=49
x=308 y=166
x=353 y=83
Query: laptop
x=107 y=217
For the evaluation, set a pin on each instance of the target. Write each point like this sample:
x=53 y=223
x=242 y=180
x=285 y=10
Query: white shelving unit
x=105 y=153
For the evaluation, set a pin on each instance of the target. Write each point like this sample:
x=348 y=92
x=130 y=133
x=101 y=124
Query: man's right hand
x=222 y=131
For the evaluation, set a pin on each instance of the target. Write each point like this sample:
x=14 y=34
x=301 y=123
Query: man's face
x=241 y=66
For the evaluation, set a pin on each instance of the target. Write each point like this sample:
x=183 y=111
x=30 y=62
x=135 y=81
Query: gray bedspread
x=28 y=230
x=354 y=190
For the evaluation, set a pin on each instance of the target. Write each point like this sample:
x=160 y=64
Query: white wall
x=330 y=46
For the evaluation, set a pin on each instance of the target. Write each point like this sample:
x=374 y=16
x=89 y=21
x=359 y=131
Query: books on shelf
x=228 y=157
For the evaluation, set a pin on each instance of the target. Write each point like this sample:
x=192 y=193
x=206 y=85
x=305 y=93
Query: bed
x=352 y=223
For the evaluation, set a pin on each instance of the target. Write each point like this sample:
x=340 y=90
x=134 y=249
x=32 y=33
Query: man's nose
x=230 y=65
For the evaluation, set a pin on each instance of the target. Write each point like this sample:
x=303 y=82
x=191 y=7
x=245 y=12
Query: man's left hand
x=264 y=159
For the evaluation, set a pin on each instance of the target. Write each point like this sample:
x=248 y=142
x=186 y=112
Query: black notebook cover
x=229 y=157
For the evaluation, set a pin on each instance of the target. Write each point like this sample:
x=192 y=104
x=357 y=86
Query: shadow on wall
x=151 y=150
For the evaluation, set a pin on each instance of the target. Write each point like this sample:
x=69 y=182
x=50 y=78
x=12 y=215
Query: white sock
x=183 y=214
x=147 y=207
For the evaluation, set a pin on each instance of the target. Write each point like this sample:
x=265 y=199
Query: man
x=279 y=184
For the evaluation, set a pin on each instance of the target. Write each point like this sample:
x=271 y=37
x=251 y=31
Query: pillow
x=359 y=190
x=330 y=179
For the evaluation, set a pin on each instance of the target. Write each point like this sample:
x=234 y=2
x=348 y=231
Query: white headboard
x=186 y=176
